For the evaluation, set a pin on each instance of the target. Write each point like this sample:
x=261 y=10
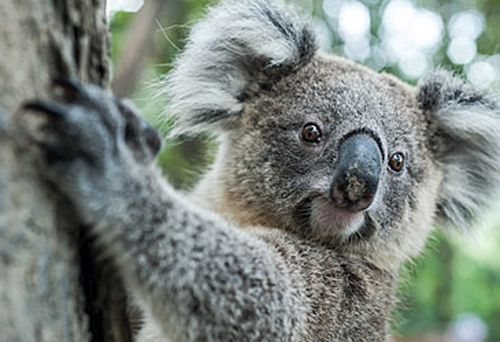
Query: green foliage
x=448 y=281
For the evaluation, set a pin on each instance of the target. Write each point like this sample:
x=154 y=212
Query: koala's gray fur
x=258 y=251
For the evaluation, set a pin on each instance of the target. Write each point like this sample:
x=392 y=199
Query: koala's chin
x=330 y=223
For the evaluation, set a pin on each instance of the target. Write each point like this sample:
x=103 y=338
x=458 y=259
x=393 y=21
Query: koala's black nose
x=357 y=173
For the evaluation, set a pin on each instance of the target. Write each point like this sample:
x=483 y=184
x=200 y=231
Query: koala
x=329 y=176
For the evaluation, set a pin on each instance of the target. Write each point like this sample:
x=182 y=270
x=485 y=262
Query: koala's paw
x=92 y=141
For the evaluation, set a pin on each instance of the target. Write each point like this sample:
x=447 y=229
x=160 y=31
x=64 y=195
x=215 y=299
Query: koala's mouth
x=321 y=220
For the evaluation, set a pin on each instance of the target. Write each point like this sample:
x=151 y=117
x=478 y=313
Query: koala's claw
x=71 y=87
x=137 y=131
x=60 y=142
x=152 y=139
x=49 y=109
x=55 y=152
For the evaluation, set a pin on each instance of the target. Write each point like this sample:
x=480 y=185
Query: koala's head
x=329 y=149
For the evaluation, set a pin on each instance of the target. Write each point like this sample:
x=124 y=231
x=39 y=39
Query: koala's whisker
x=165 y=35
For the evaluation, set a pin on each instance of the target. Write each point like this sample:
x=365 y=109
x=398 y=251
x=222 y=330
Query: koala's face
x=337 y=153
x=326 y=148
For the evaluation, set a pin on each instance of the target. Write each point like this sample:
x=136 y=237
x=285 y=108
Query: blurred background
x=451 y=292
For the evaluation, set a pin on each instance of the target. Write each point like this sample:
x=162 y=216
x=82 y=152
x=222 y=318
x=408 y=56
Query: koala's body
x=329 y=176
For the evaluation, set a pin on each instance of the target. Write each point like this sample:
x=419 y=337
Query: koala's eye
x=397 y=162
x=311 y=133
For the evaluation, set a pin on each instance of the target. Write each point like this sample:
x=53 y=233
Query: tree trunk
x=51 y=289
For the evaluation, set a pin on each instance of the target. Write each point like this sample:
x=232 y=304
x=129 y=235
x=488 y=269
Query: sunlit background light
x=408 y=38
x=113 y=6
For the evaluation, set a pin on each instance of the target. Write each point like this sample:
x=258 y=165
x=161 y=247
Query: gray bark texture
x=51 y=287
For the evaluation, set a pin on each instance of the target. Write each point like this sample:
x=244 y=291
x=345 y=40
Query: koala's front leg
x=201 y=278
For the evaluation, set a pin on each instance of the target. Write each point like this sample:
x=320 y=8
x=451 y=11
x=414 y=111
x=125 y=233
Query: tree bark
x=51 y=287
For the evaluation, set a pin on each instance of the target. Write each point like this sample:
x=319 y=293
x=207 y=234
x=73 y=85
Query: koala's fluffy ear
x=466 y=138
x=239 y=46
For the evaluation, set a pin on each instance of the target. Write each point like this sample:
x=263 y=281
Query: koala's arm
x=204 y=279
x=201 y=277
